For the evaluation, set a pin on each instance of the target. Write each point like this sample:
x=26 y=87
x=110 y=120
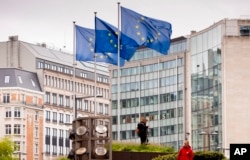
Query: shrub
x=135 y=147
x=200 y=155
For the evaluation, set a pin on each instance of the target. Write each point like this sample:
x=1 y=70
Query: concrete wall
x=236 y=90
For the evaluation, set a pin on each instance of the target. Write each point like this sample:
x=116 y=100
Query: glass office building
x=206 y=89
x=152 y=86
x=199 y=91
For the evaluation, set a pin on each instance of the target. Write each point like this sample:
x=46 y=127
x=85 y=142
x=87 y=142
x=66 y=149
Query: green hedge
x=197 y=156
x=200 y=155
x=135 y=147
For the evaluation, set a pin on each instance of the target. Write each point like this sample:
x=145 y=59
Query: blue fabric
x=107 y=40
x=85 y=48
x=106 y=37
x=145 y=31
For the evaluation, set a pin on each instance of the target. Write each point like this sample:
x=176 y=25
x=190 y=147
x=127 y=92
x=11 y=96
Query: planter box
x=134 y=155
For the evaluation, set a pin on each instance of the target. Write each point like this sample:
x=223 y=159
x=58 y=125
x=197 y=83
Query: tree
x=6 y=148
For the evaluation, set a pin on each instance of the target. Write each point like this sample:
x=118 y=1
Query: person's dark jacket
x=143 y=129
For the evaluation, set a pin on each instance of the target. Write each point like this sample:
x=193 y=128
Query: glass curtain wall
x=206 y=90
x=151 y=91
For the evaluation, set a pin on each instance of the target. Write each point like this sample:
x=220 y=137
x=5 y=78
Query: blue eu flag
x=145 y=31
x=106 y=37
x=107 y=40
x=85 y=48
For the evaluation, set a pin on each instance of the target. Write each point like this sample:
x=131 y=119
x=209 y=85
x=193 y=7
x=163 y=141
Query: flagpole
x=118 y=78
x=74 y=70
x=177 y=116
x=95 y=78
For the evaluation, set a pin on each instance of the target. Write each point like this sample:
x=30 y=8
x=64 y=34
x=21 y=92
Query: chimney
x=13 y=38
x=44 y=45
x=193 y=32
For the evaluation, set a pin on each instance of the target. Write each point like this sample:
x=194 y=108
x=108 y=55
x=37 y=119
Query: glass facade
x=153 y=90
x=206 y=89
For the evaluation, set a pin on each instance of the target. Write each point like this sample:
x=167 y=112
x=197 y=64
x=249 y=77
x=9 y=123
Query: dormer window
x=7 y=79
x=20 y=79
x=33 y=83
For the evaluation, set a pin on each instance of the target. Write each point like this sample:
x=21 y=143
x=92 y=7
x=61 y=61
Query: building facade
x=59 y=85
x=151 y=86
x=21 y=112
x=219 y=89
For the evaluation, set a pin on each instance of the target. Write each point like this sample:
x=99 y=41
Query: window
x=36 y=148
x=47 y=116
x=20 y=79
x=35 y=100
x=7 y=79
x=33 y=83
x=60 y=141
x=244 y=30
x=47 y=150
x=36 y=131
x=67 y=101
x=54 y=98
x=60 y=117
x=86 y=107
x=17 y=129
x=17 y=112
x=17 y=146
x=79 y=103
x=54 y=141
x=106 y=109
x=47 y=131
x=7 y=129
x=6 y=98
x=47 y=100
x=100 y=108
x=84 y=75
x=93 y=107
x=36 y=116
x=54 y=117
x=61 y=100
x=67 y=118
x=8 y=112
x=22 y=99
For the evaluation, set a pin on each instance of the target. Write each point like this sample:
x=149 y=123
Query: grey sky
x=51 y=21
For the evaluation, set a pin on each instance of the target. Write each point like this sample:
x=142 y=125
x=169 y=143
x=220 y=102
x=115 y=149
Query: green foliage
x=210 y=155
x=200 y=155
x=170 y=156
x=135 y=147
x=6 y=148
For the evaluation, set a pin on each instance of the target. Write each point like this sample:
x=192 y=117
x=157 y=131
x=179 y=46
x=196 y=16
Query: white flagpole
x=74 y=70
x=177 y=117
x=95 y=79
x=118 y=78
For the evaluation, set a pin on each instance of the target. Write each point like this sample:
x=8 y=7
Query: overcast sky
x=51 y=21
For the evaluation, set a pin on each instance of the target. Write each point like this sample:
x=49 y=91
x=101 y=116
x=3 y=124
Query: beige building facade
x=57 y=78
x=21 y=112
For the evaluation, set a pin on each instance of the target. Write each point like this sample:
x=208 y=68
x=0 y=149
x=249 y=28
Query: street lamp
x=83 y=97
x=208 y=137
